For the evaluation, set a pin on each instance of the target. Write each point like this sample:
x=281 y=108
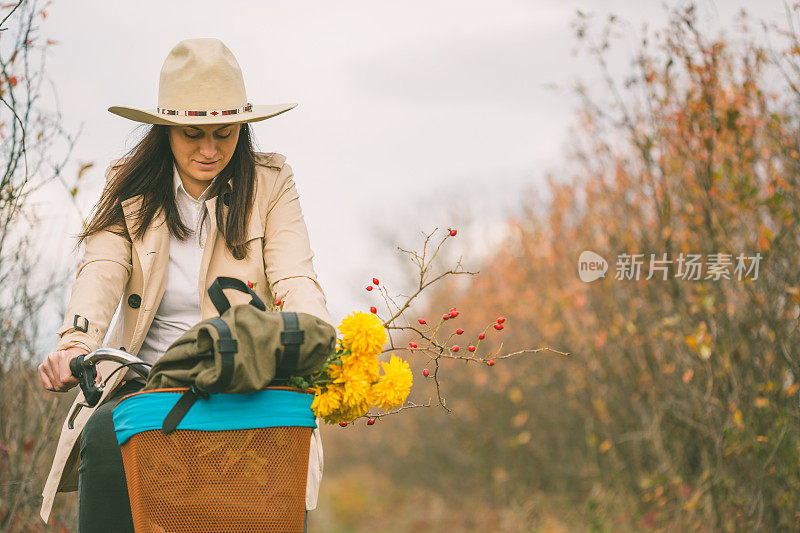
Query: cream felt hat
x=201 y=83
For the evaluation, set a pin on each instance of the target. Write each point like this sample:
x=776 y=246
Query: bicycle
x=216 y=472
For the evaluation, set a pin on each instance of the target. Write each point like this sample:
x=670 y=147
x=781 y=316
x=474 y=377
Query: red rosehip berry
x=373 y=309
x=375 y=281
x=453 y=232
x=452 y=309
x=446 y=316
x=412 y=344
x=482 y=336
x=278 y=301
x=455 y=347
x=490 y=362
x=498 y=326
x=471 y=348
x=426 y=372
x=459 y=331
x=501 y=319
x=422 y=321
x=370 y=421
x=369 y=287
x=343 y=424
x=453 y=314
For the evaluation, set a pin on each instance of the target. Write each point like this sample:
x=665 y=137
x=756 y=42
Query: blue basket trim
x=261 y=409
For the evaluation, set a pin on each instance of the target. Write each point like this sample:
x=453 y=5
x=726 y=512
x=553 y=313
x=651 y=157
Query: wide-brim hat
x=201 y=83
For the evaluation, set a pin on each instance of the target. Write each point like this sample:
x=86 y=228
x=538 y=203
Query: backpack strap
x=221 y=302
x=227 y=348
x=291 y=338
x=181 y=407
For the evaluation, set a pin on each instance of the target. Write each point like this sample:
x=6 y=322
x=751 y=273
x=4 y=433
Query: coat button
x=134 y=300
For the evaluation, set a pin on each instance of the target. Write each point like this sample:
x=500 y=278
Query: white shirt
x=179 y=309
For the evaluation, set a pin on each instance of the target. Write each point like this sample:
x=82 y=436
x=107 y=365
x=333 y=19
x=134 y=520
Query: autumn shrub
x=680 y=394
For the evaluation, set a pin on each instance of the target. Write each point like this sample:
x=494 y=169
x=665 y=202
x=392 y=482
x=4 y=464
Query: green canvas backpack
x=245 y=349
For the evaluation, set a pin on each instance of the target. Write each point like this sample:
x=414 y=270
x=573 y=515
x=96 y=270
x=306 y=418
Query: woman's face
x=202 y=151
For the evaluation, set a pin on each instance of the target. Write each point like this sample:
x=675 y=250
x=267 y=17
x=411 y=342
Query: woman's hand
x=54 y=372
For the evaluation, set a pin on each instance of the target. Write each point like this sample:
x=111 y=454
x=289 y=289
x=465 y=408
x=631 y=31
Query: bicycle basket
x=235 y=463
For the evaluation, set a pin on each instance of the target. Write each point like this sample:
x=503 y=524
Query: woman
x=191 y=202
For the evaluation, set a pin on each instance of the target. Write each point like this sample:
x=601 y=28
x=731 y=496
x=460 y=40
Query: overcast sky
x=411 y=114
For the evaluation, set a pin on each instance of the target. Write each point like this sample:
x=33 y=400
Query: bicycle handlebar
x=83 y=368
x=120 y=356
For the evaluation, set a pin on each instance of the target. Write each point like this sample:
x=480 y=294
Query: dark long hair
x=147 y=170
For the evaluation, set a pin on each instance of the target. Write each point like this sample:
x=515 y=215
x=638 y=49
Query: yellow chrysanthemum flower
x=356 y=410
x=361 y=363
x=327 y=402
x=349 y=395
x=336 y=373
x=395 y=384
x=347 y=414
x=362 y=333
x=356 y=389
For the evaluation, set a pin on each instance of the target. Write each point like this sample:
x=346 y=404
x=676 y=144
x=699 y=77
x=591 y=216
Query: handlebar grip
x=86 y=377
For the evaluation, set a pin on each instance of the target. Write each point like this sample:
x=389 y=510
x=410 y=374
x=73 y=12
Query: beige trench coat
x=115 y=272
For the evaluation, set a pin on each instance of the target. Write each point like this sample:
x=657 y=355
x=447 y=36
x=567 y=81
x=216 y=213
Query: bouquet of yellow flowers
x=351 y=382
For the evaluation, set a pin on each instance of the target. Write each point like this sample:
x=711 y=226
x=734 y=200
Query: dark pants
x=103 y=504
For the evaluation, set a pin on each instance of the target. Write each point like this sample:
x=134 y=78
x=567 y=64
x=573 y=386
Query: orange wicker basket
x=226 y=479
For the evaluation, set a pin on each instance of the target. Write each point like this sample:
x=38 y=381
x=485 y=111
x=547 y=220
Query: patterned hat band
x=213 y=113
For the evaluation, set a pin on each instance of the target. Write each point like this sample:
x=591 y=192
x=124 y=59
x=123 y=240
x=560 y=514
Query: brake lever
x=87 y=375
x=74 y=414
x=84 y=369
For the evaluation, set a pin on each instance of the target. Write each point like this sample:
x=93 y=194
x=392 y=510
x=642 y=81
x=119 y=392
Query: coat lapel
x=208 y=250
x=153 y=253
